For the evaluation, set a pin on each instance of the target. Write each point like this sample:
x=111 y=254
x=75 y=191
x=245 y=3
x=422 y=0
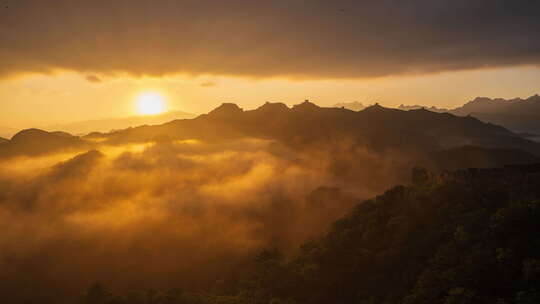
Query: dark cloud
x=297 y=38
x=93 y=78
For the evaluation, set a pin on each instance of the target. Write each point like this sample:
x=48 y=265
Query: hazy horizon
x=39 y=100
x=93 y=60
x=106 y=124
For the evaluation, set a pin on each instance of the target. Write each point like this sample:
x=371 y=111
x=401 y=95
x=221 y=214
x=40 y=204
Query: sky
x=72 y=60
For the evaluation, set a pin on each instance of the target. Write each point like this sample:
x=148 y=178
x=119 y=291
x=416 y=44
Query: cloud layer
x=168 y=215
x=294 y=38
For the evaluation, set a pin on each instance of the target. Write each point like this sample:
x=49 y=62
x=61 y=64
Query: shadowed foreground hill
x=479 y=157
x=470 y=236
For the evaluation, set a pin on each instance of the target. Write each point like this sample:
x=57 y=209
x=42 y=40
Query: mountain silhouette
x=3 y=140
x=273 y=108
x=306 y=106
x=36 y=142
x=376 y=127
x=518 y=115
x=226 y=110
x=498 y=105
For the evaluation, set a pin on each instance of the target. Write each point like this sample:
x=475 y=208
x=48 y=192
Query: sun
x=150 y=104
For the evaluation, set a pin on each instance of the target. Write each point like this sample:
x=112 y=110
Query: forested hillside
x=470 y=236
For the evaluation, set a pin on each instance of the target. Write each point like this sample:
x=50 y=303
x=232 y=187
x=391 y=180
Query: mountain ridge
x=36 y=141
x=376 y=128
x=519 y=115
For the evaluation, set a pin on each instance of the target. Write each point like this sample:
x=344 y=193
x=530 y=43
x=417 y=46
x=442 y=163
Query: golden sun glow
x=150 y=104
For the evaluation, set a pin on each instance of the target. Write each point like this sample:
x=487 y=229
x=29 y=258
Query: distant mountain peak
x=500 y=101
x=62 y=134
x=481 y=99
x=226 y=109
x=38 y=134
x=306 y=105
x=354 y=106
x=36 y=141
x=273 y=107
x=420 y=107
x=375 y=107
x=535 y=97
x=28 y=134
